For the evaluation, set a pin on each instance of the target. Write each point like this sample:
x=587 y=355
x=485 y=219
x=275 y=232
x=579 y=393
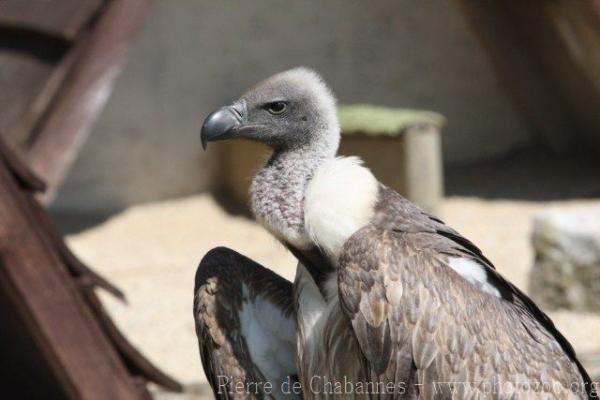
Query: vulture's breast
x=339 y=200
x=328 y=353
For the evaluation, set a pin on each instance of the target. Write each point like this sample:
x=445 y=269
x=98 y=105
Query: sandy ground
x=151 y=252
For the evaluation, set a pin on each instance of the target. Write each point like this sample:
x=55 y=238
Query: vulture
x=388 y=301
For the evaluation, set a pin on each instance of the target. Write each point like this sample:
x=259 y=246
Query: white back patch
x=271 y=340
x=474 y=273
x=339 y=200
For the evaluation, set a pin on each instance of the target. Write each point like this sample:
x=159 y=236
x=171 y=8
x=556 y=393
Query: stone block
x=566 y=270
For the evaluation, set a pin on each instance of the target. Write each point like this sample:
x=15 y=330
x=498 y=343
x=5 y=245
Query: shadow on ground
x=529 y=174
x=69 y=222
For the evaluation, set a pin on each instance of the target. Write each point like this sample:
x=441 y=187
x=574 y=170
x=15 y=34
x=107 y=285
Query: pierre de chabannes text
x=324 y=385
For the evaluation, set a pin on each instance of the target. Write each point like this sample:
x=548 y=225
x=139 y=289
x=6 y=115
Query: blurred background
x=495 y=128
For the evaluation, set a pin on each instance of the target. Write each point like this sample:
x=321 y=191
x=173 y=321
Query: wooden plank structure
x=37 y=43
x=65 y=56
x=57 y=342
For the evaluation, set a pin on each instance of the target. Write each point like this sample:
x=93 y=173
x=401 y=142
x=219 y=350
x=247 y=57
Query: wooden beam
x=32 y=113
x=57 y=17
x=27 y=179
x=70 y=337
x=56 y=142
x=135 y=361
x=35 y=37
x=63 y=286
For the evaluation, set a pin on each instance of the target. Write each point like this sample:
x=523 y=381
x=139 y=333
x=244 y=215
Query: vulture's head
x=292 y=109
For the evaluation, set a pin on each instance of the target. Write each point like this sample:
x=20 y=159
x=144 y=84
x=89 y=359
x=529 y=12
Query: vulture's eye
x=276 y=107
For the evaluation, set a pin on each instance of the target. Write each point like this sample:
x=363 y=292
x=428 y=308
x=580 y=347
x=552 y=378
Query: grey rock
x=566 y=271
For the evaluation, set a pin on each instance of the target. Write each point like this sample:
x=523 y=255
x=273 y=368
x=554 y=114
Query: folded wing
x=430 y=311
x=246 y=327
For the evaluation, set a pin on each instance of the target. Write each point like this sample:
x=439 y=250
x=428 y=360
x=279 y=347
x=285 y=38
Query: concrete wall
x=193 y=56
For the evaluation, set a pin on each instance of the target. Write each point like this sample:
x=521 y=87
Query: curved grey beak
x=220 y=125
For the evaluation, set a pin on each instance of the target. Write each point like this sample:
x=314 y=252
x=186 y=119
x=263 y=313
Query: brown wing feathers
x=409 y=328
x=218 y=300
x=402 y=238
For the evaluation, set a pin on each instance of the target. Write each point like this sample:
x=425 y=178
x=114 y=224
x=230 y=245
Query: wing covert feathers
x=225 y=281
x=402 y=297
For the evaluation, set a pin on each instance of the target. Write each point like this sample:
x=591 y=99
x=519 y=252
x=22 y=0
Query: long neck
x=278 y=191
x=299 y=162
